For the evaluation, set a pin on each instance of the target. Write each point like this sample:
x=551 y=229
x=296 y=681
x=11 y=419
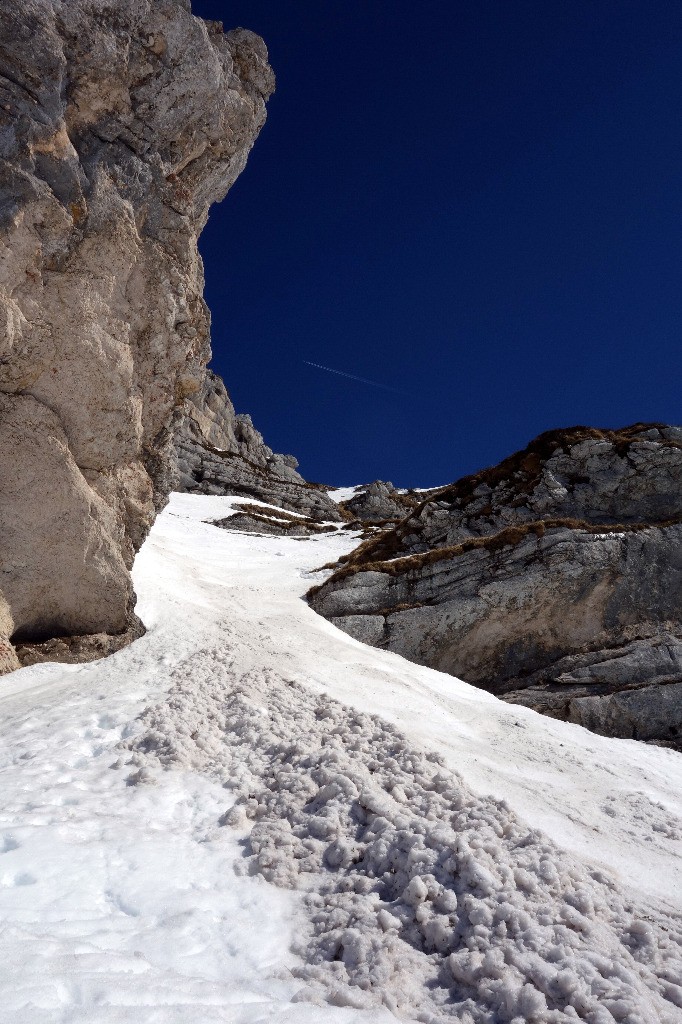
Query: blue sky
x=477 y=204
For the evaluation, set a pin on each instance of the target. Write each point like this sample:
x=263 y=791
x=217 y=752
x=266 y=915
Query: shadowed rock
x=553 y=579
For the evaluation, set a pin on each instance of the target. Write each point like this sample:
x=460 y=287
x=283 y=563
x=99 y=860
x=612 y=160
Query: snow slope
x=130 y=902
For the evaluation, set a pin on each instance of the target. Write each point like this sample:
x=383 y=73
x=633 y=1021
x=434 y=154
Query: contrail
x=352 y=376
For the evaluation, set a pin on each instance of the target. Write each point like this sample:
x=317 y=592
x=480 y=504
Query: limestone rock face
x=120 y=124
x=220 y=452
x=553 y=580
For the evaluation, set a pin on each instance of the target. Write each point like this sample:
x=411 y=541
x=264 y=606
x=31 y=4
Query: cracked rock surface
x=553 y=579
x=220 y=452
x=119 y=126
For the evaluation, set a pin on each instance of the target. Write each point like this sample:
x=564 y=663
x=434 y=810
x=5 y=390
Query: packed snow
x=339 y=494
x=248 y=813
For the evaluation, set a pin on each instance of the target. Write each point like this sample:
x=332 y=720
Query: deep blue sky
x=476 y=202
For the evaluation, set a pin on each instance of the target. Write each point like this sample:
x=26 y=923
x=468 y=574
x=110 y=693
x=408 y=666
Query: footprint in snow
x=12 y=881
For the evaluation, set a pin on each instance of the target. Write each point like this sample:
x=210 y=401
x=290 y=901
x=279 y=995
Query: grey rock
x=597 y=689
x=651 y=713
x=640 y=663
x=379 y=502
x=270 y=522
x=608 y=477
x=120 y=125
x=553 y=580
x=220 y=452
x=369 y=629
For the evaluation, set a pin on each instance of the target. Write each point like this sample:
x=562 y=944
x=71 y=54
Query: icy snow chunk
x=420 y=896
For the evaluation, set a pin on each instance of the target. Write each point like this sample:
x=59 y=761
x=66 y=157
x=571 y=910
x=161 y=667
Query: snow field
x=616 y=803
x=139 y=895
x=420 y=896
x=119 y=903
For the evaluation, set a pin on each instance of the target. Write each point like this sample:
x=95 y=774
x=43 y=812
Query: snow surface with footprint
x=129 y=890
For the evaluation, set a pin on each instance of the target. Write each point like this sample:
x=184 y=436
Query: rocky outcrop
x=369 y=509
x=119 y=126
x=272 y=522
x=220 y=452
x=553 y=580
x=379 y=503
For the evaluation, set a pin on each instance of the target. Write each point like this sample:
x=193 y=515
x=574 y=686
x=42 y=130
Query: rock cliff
x=120 y=124
x=219 y=452
x=553 y=580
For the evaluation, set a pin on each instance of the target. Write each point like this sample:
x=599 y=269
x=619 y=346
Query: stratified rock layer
x=553 y=579
x=119 y=126
x=219 y=452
